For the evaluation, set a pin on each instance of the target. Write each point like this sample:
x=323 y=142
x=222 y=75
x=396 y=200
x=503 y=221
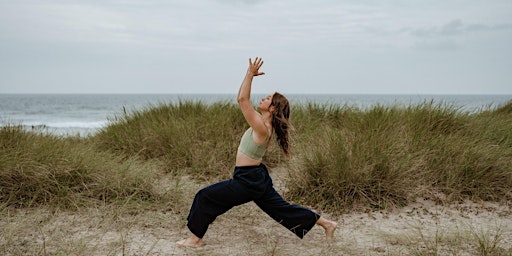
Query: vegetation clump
x=345 y=157
x=188 y=137
x=390 y=155
x=38 y=168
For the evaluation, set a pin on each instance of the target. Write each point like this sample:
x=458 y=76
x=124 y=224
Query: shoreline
x=85 y=118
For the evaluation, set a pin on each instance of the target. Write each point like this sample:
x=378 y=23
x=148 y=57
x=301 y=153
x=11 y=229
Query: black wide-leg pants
x=249 y=183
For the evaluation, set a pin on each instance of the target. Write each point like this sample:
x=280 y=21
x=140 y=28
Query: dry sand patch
x=422 y=228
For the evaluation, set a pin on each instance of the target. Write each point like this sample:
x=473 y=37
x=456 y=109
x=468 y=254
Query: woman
x=251 y=181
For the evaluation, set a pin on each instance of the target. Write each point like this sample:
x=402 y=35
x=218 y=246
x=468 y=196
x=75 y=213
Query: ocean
x=85 y=114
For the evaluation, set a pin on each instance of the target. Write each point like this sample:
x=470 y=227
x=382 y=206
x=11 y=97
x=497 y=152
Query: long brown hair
x=281 y=122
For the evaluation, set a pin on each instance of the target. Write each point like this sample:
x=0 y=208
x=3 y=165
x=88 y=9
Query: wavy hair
x=281 y=122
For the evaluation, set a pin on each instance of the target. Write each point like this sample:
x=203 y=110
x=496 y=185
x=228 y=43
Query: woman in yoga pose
x=251 y=180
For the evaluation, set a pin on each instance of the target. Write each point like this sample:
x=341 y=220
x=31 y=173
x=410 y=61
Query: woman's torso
x=243 y=159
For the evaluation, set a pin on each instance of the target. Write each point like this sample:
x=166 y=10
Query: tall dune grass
x=188 y=137
x=38 y=168
x=345 y=157
x=388 y=156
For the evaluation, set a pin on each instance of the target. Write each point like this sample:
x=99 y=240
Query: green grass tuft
x=345 y=157
x=388 y=156
x=66 y=172
x=194 y=137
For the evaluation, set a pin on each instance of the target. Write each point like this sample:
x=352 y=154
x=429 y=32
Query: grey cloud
x=238 y=2
x=436 y=45
x=480 y=27
x=457 y=27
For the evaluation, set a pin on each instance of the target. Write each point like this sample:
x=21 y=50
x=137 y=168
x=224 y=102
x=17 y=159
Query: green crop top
x=250 y=148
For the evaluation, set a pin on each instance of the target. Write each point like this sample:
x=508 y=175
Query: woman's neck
x=267 y=119
x=266 y=116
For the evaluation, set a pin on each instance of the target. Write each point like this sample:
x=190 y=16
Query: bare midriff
x=244 y=160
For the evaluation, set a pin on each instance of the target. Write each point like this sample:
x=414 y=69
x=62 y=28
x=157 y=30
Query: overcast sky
x=203 y=46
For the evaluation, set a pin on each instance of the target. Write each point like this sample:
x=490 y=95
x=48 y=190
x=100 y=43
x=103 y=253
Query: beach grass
x=187 y=137
x=136 y=177
x=380 y=157
x=42 y=169
x=390 y=155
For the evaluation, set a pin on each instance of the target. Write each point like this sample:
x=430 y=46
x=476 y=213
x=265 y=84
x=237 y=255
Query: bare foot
x=191 y=242
x=329 y=226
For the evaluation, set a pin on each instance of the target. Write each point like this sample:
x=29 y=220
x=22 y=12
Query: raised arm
x=244 y=98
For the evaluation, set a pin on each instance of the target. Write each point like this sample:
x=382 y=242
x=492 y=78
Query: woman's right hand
x=255 y=66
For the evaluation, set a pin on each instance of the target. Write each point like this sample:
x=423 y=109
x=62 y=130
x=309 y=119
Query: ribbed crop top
x=250 y=148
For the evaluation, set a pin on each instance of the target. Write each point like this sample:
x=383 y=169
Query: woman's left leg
x=294 y=217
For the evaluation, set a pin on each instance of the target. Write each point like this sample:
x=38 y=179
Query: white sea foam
x=77 y=124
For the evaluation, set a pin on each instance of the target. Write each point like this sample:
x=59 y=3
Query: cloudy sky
x=203 y=46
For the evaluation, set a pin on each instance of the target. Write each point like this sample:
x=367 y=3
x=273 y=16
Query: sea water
x=85 y=114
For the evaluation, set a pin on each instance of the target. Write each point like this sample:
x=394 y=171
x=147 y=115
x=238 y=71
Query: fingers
x=255 y=65
x=258 y=62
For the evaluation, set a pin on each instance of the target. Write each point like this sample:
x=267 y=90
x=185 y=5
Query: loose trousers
x=249 y=183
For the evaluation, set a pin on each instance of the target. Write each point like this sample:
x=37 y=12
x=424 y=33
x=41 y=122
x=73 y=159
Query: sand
x=421 y=228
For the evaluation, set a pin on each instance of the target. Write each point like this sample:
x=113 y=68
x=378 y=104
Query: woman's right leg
x=211 y=202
